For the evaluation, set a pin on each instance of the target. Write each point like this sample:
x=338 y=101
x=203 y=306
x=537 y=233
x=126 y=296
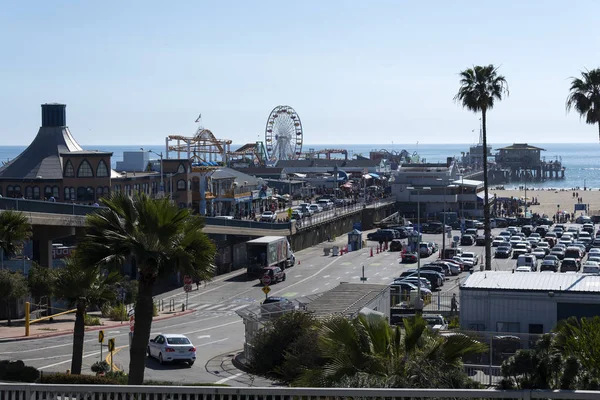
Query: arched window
x=72 y=191
x=181 y=169
x=102 y=171
x=128 y=190
x=36 y=192
x=181 y=184
x=28 y=192
x=10 y=191
x=47 y=192
x=98 y=192
x=17 y=191
x=84 y=171
x=105 y=191
x=67 y=194
x=69 y=172
x=55 y=192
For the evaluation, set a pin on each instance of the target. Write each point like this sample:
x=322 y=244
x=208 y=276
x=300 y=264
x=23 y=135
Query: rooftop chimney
x=54 y=115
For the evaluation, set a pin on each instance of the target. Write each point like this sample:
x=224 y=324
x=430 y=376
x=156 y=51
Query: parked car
x=415 y=280
x=396 y=245
x=441 y=269
x=170 y=347
x=275 y=303
x=435 y=322
x=275 y=273
x=425 y=249
x=268 y=216
x=326 y=204
x=433 y=277
x=382 y=235
x=467 y=240
x=569 y=264
x=470 y=256
x=503 y=252
x=591 y=268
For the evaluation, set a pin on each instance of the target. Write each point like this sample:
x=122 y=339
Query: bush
x=119 y=376
x=90 y=320
x=68 y=379
x=100 y=367
x=17 y=371
x=106 y=310
x=119 y=313
x=454 y=323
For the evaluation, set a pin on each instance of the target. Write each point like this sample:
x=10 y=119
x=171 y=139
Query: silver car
x=170 y=347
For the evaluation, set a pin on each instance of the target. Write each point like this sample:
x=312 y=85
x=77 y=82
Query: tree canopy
x=584 y=97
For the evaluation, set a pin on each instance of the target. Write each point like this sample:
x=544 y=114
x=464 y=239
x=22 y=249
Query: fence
x=7 y=203
x=244 y=223
x=435 y=302
x=105 y=392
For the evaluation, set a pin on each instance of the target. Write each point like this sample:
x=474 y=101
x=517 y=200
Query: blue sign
x=580 y=206
x=357 y=226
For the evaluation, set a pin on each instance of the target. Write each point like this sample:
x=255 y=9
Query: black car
x=501 y=223
x=435 y=227
x=467 y=240
x=396 y=245
x=437 y=268
x=382 y=235
x=527 y=229
x=549 y=265
x=400 y=230
x=503 y=252
x=569 y=264
x=433 y=277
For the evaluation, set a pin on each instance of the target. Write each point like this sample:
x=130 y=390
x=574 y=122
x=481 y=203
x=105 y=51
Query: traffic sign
x=266 y=280
x=187 y=288
x=266 y=289
x=100 y=336
x=111 y=344
x=187 y=280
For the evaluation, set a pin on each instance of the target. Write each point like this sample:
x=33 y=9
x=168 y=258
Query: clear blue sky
x=133 y=72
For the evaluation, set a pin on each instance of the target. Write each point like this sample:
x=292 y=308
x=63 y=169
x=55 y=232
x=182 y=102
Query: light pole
x=419 y=304
x=162 y=181
x=525 y=214
x=443 y=218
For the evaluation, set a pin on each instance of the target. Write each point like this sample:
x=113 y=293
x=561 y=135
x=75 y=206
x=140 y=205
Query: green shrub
x=118 y=376
x=119 y=313
x=17 y=371
x=68 y=379
x=454 y=323
x=90 y=320
x=106 y=310
x=100 y=367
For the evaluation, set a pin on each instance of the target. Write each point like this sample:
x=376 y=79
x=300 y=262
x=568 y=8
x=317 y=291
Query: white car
x=594 y=252
x=268 y=216
x=315 y=208
x=170 y=347
x=470 y=256
x=591 y=267
x=523 y=269
x=498 y=241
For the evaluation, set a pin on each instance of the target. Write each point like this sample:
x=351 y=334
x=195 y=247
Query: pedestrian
x=453 y=304
x=197 y=282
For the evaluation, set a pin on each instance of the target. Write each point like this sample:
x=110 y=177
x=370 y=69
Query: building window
x=10 y=191
x=117 y=188
x=47 y=192
x=105 y=191
x=36 y=193
x=145 y=188
x=67 y=194
x=136 y=188
x=17 y=191
x=128 y=190
x=55 y=192
x=72 y=191
x=181 y=169
x=102 y=171
x=508 y=327
x=69 y=172
x=181 y=184
x=85 y=171
x=85 y=194
x=28 y=192
x=99 y=192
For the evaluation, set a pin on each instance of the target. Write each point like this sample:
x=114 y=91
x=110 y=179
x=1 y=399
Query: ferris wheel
x=283 y=134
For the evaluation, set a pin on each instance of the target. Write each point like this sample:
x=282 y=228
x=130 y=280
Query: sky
x=356 y=72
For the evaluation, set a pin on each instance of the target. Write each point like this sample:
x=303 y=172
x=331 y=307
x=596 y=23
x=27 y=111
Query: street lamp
x=419 y=305
x=162 y=181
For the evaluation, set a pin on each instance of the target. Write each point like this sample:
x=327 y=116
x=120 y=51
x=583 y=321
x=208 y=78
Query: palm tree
x=14 y=229
x=82 y=287
x=480 y=87
x=584 y=97
x=161 y=238
x=368 y=351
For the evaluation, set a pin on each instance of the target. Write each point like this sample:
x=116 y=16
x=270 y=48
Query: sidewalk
x=63 y=325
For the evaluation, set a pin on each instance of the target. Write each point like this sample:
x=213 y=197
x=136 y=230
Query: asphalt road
x=215 y=328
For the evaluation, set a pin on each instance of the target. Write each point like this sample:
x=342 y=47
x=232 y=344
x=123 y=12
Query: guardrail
x=101 y=392
x=244 y=223
x=7 y=203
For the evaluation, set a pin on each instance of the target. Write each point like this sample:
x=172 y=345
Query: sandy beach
x=549 y=199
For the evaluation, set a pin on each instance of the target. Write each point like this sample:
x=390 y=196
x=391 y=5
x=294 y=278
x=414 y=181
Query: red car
x=409 y=257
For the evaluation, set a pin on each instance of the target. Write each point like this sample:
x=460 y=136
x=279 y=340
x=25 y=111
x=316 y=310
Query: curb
x=238 y=363
x=90 y=329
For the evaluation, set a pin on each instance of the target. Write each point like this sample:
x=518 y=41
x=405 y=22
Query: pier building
x=521 y=161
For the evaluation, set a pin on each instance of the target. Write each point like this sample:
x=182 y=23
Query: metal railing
x=244 y=223
x=105 y=392
x=7 y=203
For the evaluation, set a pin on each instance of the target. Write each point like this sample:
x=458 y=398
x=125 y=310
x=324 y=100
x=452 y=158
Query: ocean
x=581 y=160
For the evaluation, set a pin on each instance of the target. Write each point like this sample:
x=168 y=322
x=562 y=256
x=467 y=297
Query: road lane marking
x=308 y=277
x=203 y=336
x=111 y=355
x=213 y=307
x=214 y=341
x=212 y=327
x=297 y=276
x=328 y=283
x=240 y=307
x=314 y=290
x=68 y=361
x=220 y=381
x=326 y=276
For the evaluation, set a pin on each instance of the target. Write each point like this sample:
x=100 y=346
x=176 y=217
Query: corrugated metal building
x=526 y=302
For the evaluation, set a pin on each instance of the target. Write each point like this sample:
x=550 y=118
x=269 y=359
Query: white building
x=526 y=302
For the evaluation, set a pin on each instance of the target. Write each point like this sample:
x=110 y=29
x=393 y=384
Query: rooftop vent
x=54 y=115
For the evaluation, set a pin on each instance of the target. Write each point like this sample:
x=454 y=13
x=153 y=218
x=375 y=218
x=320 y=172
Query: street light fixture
x=419 y=304
x=162 y=181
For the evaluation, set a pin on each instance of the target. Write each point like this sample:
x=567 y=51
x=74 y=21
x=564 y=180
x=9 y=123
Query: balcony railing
x=102 y=392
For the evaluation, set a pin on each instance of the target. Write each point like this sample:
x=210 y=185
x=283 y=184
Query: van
x=526 y=260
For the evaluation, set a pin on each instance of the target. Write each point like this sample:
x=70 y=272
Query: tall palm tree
x=14 y=229
x=162 y=239
x=80 y=287
x=584 y=97
x=480 y=87
x=368 y=350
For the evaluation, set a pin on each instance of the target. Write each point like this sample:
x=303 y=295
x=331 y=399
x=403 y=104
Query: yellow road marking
x=108 y=358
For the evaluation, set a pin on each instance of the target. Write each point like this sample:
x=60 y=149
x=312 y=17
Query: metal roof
x=346 y=299
x=42 y=157
x=521 y=146
x=532 y=281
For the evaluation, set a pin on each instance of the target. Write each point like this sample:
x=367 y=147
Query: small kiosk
x=354 y=240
